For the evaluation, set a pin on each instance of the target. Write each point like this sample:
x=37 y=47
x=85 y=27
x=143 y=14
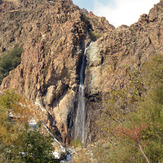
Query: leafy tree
x=35 y=147
x=9 y=128
x=14 y=113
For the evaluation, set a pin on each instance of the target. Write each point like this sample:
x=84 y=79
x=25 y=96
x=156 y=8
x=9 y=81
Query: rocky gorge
x=54 y=35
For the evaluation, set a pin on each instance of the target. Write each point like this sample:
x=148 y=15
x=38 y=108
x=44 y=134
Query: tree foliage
x=18 y=141
x=35 y=147
x=14 y=112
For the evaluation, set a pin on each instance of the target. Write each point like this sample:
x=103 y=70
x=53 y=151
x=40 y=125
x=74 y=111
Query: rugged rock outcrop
x=111 y=56
x=54 y=35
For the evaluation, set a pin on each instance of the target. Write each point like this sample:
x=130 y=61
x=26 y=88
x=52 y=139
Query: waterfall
x=81 y=113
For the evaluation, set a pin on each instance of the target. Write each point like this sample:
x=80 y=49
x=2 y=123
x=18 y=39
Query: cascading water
x=81 y=113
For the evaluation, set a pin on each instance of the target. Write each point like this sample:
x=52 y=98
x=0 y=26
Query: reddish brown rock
x=54 y=35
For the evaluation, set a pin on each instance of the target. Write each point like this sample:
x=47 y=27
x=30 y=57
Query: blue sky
x=89 y=4
x=118 y=12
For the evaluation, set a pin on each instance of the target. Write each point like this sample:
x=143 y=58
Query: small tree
x=36 y=147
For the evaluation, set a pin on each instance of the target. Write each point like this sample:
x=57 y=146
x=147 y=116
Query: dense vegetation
x=18 y=141
x=132 y=119
x=9 y=60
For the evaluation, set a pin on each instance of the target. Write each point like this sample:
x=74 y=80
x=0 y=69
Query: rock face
x=109 y=58
x=54 y=35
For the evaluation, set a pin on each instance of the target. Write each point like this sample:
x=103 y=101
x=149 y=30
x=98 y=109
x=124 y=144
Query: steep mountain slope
x=54 y=35
x=115 y=54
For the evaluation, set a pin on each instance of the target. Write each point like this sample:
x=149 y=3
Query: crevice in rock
x=70 y=121
x=54 y=128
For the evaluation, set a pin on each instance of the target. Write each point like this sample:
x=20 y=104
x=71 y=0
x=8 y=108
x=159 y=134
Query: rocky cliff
x=54 y=35
x=111 y=57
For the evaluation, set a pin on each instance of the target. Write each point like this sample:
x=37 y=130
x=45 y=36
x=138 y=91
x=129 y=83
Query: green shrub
x=18 y=141
x=94 y=35
x=9 y=60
